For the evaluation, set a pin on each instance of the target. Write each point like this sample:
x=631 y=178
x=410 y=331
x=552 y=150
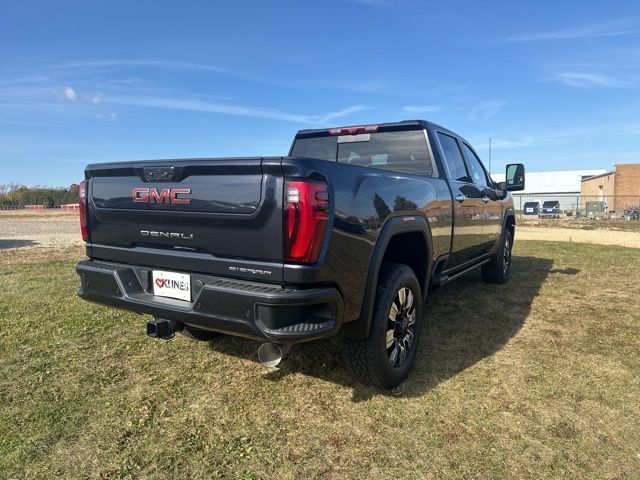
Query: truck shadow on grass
x=465 y=322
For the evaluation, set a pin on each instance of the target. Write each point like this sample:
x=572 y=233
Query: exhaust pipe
x=271 y=354
x=163 y=328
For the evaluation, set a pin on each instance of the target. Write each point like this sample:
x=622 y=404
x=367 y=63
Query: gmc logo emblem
x=166 y=195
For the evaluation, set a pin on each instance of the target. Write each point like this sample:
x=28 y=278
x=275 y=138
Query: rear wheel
x=498 y=270
x=386 y=356
x=197 y=334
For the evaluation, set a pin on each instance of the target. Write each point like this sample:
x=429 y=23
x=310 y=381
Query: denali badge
x=153 y=233
x=166 y=195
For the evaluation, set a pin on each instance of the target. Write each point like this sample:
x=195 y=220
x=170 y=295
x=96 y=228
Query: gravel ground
x=602 y=237
x=29 y=236
x=25 y=236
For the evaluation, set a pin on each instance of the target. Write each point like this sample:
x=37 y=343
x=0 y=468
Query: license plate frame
x=171 y=285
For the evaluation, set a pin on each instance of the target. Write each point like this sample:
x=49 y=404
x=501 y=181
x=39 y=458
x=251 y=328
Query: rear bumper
x=250 y=309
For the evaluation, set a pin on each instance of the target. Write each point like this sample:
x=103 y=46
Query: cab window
x=453 y=158
x=478 y=175
x=403 y=151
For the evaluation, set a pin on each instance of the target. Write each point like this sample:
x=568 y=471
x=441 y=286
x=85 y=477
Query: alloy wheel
x=401 y=326
x=506 y=256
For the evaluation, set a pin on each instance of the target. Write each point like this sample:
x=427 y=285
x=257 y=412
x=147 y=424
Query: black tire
x=197 y=334
x=498 y=270
x=386 y=356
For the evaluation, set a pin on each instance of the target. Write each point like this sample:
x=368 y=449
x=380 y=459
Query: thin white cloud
x=196 y=105
x=97 y=98
x=611 y=28
x=486 y=109
x=114 y=63
x=336 y=115
x=21 y=123
x=506 y=143
x=423 y=108
x=373 y=86
x=578 y=79
x=374 y=3
x=79 y=71
x=70 y=94
x=540 y=138
x=111 y=117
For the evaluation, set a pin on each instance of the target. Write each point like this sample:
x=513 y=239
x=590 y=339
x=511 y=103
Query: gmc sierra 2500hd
x=345 y=235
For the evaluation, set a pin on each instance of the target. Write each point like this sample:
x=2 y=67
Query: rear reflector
x=353 y=130
x=82 y=193
x=305 y=220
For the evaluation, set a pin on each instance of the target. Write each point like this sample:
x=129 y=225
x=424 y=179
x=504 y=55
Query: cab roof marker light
x=352 y=130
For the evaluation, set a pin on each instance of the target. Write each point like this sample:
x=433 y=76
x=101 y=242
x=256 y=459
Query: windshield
x=400 y=151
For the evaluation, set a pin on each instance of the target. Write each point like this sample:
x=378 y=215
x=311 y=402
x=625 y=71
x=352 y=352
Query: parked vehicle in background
x=551 y=209
x=531 y=208
x=345 y=235
x=632 y=212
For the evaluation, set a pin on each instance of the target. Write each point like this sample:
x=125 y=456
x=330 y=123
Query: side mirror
x=515 y=177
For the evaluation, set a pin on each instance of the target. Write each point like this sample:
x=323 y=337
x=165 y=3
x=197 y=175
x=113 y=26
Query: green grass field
x=536 y=379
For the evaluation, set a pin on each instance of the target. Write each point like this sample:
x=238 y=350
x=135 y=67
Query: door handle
x=460 y=198
x=485 y=199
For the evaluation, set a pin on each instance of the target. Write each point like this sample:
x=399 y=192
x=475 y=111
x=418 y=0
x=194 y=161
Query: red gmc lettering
x=180 y=191
x=162 y=197
x=166 y=195
x=140 y=195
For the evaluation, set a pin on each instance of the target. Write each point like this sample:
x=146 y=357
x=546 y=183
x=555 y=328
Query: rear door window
x=453 y=158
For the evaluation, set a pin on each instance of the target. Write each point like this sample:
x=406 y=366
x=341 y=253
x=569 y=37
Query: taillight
x=82 y=193
x=306 y=214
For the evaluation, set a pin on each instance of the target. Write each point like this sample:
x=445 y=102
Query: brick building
x=619 y=189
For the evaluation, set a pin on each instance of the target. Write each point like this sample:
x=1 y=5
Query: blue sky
x=555 y=84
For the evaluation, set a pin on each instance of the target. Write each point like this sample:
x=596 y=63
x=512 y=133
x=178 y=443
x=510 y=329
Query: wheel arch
x=510 y=220
x=397 y=242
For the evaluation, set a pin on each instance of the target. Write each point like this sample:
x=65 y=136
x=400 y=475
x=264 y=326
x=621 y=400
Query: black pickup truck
x=346 y=235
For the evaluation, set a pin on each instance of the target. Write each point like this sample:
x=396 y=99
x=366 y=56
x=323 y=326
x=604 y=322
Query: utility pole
x=489 y=155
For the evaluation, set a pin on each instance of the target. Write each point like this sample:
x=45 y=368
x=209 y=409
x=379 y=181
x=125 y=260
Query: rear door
x=204 y=215
x=467 y=204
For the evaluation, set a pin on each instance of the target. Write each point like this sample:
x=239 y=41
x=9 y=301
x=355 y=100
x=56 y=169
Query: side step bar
x=440 y=279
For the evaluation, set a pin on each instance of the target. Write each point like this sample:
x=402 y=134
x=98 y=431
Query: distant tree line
x=14 y=195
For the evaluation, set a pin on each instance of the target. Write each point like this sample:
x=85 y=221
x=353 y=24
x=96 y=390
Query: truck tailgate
x=207 y=215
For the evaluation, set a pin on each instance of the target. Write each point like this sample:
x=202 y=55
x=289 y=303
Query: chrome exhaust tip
x=271 y=354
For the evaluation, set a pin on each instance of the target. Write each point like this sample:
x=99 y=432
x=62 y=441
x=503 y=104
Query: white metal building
x=563 y=186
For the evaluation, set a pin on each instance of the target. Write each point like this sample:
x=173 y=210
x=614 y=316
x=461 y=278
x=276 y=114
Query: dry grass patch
x=613 y=224
x=48 y=213
x=535 y=379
